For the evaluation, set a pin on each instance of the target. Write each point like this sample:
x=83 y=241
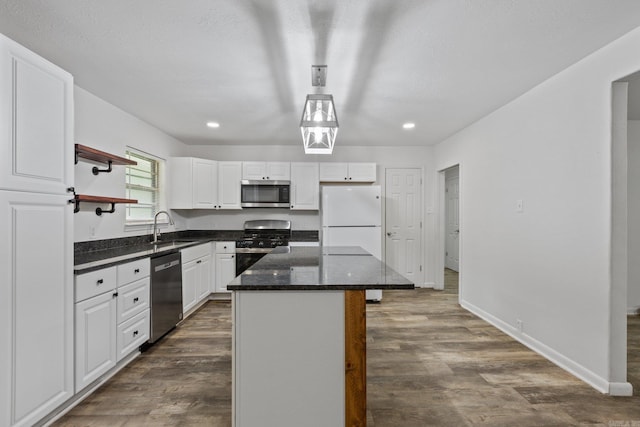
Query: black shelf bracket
x=100 y=211
x=96 y=171
x=76 y=202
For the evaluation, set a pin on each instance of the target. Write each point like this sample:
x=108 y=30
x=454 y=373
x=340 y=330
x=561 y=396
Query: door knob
x=390 y=233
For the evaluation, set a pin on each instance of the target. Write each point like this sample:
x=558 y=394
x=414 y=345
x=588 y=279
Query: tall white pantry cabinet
x=36 y=236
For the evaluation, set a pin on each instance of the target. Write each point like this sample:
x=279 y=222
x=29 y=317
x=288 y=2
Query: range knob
x=261 y=244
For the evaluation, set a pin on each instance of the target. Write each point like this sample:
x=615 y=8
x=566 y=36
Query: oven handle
x=253 y=250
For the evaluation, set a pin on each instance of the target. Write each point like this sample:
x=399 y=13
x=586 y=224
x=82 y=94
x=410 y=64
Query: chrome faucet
x=155 y=224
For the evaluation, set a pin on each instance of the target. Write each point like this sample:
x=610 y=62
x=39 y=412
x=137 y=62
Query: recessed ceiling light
x=408 y=125
x=213 y=124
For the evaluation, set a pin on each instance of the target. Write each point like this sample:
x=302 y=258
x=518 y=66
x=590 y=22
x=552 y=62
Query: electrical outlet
x=519 y=325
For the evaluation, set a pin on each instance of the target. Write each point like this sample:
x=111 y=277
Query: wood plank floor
x=429 y=363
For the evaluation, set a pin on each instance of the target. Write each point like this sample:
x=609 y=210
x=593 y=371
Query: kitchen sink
x=162 y=246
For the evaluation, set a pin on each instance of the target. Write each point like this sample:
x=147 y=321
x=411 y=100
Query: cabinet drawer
x=225 y=247
x=194 y=252
x=95 y=283
x=133 y=333
x=132 y=271
x=133 y=299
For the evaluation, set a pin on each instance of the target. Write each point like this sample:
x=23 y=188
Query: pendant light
x=319 y=123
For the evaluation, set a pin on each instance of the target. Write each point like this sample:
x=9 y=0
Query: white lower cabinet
x=196 y=275
x=225 y=271
x=95 y=337
x=133 y=299
x=190 y=274
x=36 y=305
x=112 y=318
x=225 y=265
x=133 y=333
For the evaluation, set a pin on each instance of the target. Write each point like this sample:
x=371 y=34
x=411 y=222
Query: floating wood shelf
x=102 y=157
x=99 y=199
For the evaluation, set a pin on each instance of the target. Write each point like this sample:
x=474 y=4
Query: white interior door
x=452 y=215
x=403 y=224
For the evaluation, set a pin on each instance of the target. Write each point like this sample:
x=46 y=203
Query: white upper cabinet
x=205 y=192
x=193 y=183
x=36 y=122
x=305 y=186
x=273 y=171
x=348 y=172
x=204 y=184
x=229 y=177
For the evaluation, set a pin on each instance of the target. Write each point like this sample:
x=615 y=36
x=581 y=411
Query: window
x=143 y=184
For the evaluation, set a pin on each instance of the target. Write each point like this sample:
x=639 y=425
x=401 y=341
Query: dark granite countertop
x=319 y=268
x=97 y=260
x=97 y=254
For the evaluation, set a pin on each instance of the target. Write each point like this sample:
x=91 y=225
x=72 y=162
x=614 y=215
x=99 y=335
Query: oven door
x=246 y=257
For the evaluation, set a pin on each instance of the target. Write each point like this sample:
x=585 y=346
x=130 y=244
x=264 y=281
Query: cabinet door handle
x=350 y=178
x=345 y=178
x=263 y=177
x=135 y=299
x=115 y=295
x=231 y=256
x=199 y=261
x=99 y=282
x=136 y=271
x=135 y=333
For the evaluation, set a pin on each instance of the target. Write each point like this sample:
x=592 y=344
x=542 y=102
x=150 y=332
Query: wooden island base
x=355 y=357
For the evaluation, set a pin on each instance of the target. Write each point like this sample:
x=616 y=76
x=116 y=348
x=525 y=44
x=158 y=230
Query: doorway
x=403 y=222
x=625 y=274
x=448 y=250
x=452 y=229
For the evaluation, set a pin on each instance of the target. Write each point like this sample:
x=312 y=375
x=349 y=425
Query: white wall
x=101 y=125
x=633 y=291
x=550 y=265
x=385 y=157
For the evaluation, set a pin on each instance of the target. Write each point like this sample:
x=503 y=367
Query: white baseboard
x=620 y=389
x=428 y=285
x=586 y=375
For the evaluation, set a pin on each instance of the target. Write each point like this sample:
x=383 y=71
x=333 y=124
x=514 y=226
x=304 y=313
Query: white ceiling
x=442 y=64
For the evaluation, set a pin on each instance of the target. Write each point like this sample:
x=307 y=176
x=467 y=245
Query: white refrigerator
x=352 y=216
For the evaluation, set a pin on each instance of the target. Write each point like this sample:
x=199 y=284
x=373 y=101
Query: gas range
x=265 y=234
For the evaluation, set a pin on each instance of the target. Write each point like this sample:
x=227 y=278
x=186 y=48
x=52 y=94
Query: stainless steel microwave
x=265 y=194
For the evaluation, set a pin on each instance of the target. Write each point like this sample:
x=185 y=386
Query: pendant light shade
x=319 y=124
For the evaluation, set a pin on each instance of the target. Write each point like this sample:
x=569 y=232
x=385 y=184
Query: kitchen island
x=299 y=336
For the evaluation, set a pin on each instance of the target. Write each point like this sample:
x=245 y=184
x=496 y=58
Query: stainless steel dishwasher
x=166 y=294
